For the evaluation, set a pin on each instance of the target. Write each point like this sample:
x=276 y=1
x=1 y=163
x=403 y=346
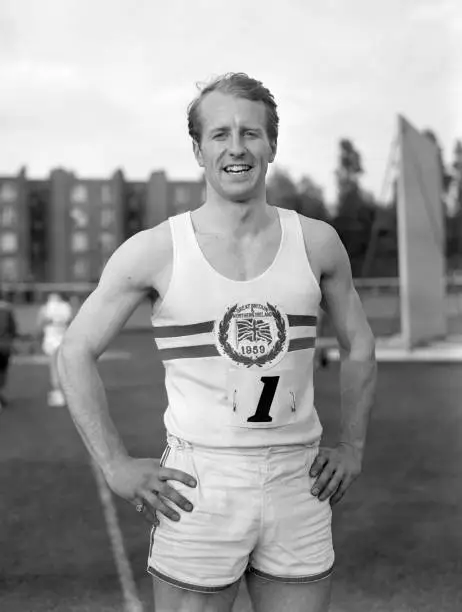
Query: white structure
x=421 y=239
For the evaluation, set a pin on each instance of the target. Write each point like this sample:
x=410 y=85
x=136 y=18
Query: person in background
x=53 y=319
x=8 y=333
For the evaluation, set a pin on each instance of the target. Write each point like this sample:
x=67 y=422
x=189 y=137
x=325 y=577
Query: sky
x=97 y=85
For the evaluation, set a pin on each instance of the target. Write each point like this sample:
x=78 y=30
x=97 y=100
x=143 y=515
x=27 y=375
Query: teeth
x=236 y=168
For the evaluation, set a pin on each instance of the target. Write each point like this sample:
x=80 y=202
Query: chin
x=240 y=193
x=240 y=198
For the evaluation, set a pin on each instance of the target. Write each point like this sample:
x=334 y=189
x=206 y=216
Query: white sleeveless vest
x=238 y=355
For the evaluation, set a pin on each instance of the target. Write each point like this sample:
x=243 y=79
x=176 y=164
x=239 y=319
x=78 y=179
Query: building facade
x=14 y=228
x=64 y=229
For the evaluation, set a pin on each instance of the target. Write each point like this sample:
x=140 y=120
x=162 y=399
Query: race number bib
x=262 y=400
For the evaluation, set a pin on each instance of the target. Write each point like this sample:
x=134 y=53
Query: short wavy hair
x=240 y=85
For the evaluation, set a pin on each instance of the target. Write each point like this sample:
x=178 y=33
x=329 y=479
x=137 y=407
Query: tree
x=454 y=206
x=349 y=167
x=304 y=196
x=355 y=209
x=445 y=175
x=456 y=175
x=282 y=190
x=311 y=199
x=381 y=257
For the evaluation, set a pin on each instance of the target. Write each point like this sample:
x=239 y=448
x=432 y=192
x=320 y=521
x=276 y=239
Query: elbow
x=70 y=351
x=64 y=355
x=365 y=351
x=361 y=349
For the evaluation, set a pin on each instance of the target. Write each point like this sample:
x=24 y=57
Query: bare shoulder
x=131 y=274
x=323 y=245
x=144 y=257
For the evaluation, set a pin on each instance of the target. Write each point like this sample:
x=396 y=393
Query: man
x=242 y=487
x=53 y=320
x=8 y=332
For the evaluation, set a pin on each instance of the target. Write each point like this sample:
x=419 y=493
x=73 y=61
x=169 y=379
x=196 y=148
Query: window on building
x=8 y=216
x=79 y=217
x=79 y=242
x=79 y=194
x=9 y=269
x=8 y=192
x=39 y=230
x=106 y=195
x=80 y=269
x=107 y=218
x=8 y=242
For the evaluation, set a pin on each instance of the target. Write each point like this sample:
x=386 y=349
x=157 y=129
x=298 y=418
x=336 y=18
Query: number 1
x=266 y=399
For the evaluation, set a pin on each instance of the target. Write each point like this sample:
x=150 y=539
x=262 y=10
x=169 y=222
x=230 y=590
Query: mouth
x=237 y=169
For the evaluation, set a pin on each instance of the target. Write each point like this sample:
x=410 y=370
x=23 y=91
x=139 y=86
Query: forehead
x=224 y=110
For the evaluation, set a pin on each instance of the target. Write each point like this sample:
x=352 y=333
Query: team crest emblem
x=253 y=334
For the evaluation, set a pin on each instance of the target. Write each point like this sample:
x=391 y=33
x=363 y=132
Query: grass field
x=398 y=532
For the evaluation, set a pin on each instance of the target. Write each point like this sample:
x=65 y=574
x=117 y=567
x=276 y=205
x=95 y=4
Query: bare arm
x=125 y=282
x=335 y=469
x=122 y=287
x=358 y=370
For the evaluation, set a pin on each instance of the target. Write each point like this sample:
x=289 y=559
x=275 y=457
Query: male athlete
x=243 y=487
x=53 y=320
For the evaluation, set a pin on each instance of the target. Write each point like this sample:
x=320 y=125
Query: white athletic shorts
x=253 y=511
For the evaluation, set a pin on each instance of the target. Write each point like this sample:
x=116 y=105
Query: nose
x=236 y=145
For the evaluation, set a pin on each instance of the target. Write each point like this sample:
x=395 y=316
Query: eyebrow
x=243 y=128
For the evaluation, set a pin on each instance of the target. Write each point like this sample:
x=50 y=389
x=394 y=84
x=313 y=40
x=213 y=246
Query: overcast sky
x=97 y=85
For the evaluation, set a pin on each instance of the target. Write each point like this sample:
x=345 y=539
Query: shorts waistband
x=175 y=442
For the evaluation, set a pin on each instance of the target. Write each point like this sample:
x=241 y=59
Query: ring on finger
x=139 y=507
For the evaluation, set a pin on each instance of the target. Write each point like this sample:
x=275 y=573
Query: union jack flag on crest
x=253 y=330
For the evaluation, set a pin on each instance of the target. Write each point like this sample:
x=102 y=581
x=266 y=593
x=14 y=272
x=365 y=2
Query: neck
x=238 y=219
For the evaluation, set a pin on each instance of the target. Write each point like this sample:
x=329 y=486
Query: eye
x=219 y=136
x=251 y=133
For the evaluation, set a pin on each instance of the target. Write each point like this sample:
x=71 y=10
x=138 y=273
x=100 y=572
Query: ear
x=274 y=148
x=198 y=153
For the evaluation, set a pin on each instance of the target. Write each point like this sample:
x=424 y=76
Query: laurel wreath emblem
x=223 y=329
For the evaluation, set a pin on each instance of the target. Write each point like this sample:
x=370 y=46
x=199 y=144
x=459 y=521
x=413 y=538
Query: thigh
x=270 y=596
x=295 y=543
x=208 y=548
x=168 y=597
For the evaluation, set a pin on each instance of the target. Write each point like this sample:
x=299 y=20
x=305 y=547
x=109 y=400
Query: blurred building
x=14 y=228
x=65 y=228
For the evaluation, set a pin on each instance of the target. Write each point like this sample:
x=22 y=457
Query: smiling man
x=243 y=487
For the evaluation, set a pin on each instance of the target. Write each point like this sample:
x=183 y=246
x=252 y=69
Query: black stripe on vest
x=210 y=350
x=174 y=331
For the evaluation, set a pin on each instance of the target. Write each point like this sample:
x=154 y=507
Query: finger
x=156 y=504
x=342 y=488
x=331 y=487
x=147 y=512
x=322 y=480
x=173 y=474
x=336 y=497
x=172 y=494
x=165 y=509
x=318 y=465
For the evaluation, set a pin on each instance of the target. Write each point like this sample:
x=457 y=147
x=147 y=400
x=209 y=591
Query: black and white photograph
x=230 y=306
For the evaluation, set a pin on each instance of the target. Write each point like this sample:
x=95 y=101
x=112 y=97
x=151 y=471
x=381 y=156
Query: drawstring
x=293 y=401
